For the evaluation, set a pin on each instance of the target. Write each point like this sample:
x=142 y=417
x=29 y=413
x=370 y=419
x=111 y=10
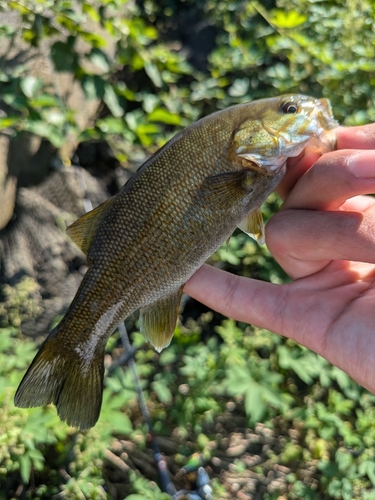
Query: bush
x=248 y=403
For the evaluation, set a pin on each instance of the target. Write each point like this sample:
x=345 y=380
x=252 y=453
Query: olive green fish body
x=145 y=243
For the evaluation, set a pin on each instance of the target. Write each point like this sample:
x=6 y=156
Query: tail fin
x=73 y=384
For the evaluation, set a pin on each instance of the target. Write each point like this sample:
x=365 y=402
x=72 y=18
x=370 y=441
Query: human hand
x=324 y=238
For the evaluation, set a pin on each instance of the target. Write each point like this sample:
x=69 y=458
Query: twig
x=166 y=484
x=116 y=461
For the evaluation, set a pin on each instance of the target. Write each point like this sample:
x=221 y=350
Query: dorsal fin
x=83 y=230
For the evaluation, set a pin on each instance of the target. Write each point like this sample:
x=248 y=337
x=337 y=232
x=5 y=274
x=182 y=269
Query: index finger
x=362 y=137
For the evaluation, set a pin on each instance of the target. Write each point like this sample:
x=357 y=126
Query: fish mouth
x=318 y=135
x=325 y=140
x=324 y=143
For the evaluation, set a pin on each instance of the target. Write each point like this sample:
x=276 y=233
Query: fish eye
x=289 y=107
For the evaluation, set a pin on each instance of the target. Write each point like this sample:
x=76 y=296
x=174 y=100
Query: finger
x=303 y=311
x=333 y=179
x=302 y=240
x=305 y=241
x=347 y=138
x=295 y=170
x=359 y=204
x=244 y=299
x=356 y=137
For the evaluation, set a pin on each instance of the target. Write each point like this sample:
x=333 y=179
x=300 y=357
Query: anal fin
x=158 y=320
x=253 y=226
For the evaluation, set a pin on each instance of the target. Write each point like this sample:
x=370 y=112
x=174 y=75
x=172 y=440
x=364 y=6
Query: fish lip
x=324 y=142
x=324 y=116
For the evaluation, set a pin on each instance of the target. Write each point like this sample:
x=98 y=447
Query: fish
x=144 y=243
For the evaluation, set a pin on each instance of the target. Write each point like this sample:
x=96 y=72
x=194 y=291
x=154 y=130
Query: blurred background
x=88 y=90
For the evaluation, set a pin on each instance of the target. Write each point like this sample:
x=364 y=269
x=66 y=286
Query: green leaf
x=291 y=19
x=164 y=116
x=93 y=13
x=44 y=129
x=18 y=6
x=343 y=460
x=93 y=39
x=45 y=101
x=149 y=102
x=30 y=85
x=8 y=122
x=147 y=128
x=112 y=125
x=162 y=391
x=254 y=403
x=93 y=86
x=25 y=467
x=347 y=489
x=239 y=87
x=304 y=363
x=154 y=74
x=112 y=101
x=135 y=497
x=119 y=422
x=368 y=468
x=63 y=55
x=100 y=59
x=304 y=491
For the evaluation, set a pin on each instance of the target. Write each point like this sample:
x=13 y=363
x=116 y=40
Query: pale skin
x=324 y=238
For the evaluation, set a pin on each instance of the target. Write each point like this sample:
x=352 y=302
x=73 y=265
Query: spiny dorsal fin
x=253 y=226
x=158 y=321
x=83 y=230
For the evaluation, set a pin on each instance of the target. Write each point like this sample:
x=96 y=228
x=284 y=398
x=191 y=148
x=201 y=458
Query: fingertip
x=333 y=179
x=362 y=137
x=296 y=168
x=362 y=164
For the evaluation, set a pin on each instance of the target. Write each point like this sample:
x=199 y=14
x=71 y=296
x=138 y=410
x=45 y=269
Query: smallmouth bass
x=143 y=244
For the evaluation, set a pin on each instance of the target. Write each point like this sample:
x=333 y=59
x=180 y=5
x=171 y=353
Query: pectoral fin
x=83 y=230
x=253 y=226
x=158 y=321
x=226 y=189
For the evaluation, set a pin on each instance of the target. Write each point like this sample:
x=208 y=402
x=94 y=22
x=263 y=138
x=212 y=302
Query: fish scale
x=143 y=244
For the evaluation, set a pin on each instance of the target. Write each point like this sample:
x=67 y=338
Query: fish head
x=281 y=127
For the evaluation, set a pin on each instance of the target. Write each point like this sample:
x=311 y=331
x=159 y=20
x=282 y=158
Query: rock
x=38 y=261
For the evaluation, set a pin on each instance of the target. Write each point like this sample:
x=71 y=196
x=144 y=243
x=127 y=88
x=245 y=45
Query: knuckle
x=278 y=231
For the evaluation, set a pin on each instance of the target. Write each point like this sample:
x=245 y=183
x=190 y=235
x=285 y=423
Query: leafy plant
x=219 y=378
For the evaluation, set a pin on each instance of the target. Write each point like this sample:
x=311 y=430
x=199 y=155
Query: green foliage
x=18 y=302
x=33 y=440
x=259 y=52
x=144 y=491
x=39 y=108
x=214 y=369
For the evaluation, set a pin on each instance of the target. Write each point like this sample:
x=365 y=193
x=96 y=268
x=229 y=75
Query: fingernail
x=362 y=164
